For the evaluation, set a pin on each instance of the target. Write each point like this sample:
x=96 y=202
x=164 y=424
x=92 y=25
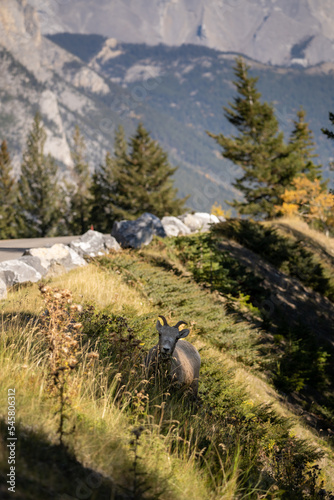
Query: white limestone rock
x=174 y=226
x=56 y=143
x=270 y=29
x=62 y=254
x=3 y=288
x=199 y=221
x=93 y=244
x=17 y=271
x=89 y=80
x=34 y=262
x=110 y=243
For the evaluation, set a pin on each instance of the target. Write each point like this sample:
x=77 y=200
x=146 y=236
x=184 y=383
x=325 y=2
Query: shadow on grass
x=47 y=471
x=312 y=243
x=288 y=256
x=22 y=318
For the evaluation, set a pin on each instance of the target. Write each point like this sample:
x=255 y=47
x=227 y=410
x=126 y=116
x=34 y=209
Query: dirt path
x=12 y=249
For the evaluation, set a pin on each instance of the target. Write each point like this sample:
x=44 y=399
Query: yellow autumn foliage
x=308 y=199
x=219 y=211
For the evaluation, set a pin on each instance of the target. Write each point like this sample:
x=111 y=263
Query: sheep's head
x=168 y=336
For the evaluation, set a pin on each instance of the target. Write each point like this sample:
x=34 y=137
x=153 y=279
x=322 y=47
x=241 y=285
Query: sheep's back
x=186 y=362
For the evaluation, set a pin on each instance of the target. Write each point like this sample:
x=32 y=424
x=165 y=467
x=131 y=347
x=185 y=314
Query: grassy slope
x=139 y=286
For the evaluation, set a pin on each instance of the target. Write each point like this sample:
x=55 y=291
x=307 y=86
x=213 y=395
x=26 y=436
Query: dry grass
x=88 y=284
x=94 y=285
x=103 y=433
x=299 y=226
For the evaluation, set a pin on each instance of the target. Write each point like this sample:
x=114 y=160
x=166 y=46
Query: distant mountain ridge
x=278 y=32
x=190 y=84
x=177 y=92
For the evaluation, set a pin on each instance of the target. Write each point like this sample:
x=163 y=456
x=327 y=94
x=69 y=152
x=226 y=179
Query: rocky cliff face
x=36 y=74
x=279 y=32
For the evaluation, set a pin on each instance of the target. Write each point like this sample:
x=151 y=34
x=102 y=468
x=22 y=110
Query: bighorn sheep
x=183 y=356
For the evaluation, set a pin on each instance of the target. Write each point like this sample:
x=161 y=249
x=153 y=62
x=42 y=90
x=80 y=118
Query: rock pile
x=37 y=263
x=134 y=234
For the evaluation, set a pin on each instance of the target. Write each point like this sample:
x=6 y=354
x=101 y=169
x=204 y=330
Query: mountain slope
x=191 y=84
x=270 y=31
x=98 y=83
x=36 y=74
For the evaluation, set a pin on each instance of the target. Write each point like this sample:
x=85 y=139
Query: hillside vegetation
x=263 y=424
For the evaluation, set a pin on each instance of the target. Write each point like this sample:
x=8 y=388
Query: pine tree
x=259 y=149
x=40 y=197
x=329 y=133
x=8 y=196
x=104 y=186
x=120 y=145
x=102 y=190
x=143 y=180
x=302 y=148
x=81 y=198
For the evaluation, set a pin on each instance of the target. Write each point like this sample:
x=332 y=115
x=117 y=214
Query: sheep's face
x=168 y=337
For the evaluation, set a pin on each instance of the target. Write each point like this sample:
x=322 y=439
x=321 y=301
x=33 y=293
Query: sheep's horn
x=180 y=323
x=163 y=319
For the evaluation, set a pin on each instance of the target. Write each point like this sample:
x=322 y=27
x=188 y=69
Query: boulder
x=3 y=288
x=55 y=269
x=59 y=253
x=139 y=232
x=93 y=244
x=17 y=271
x=34 y=262
x=199 y=221
x=7 y=276
x=158 y=228
x=110 y=243
x=174 y=226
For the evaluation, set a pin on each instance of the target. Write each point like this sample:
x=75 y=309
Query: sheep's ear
x=158 y=326
x=183 y=333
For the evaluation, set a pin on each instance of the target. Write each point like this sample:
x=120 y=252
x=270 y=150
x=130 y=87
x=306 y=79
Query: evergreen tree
x=40 y=197
x=8 y=196
x=143 y=180
x=120 y=145
x=302 y=148
x=329 y=133
x=81 y=198
x=102 y=192
x=259 y=149
x=104 y=186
